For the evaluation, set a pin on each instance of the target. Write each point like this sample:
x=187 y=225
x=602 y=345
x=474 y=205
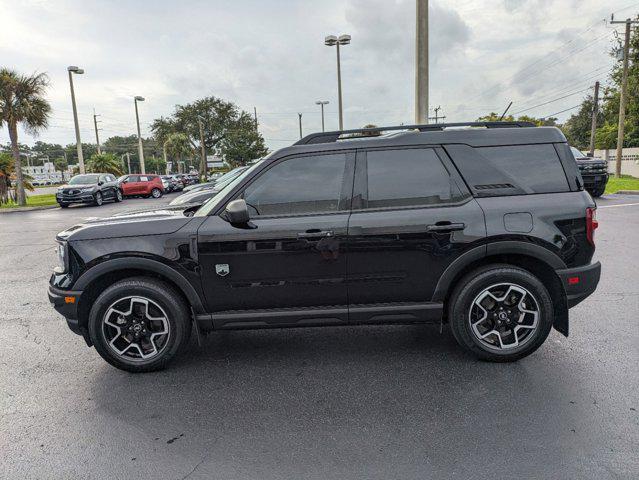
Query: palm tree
x=6 y=171
x=178 y=146
x=22 y=101
x=104 y=163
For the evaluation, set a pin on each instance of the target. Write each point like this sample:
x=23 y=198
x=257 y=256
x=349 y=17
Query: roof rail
x=331 y=137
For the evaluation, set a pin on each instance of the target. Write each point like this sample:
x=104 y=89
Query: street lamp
x=332 y=40
x=137 y=99
x=321 y=103
x=73 y=69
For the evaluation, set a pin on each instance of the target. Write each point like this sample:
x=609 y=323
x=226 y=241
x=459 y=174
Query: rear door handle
x=315 y=233
x=444 y=227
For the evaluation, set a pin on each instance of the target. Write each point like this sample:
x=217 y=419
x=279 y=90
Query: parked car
x=223 y=179
x=170 y=184
x=200 y=195
x=143 y=185
x=93 y=188
x=594 y=172
x=487 y=230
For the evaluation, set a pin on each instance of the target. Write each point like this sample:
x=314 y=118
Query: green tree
x=178 y=146
x=577 y=128
x=244 y=143
x=22 y=102
x=104 y=163
x=606 y=136
x=7 y=171
x=540 y=122
x=61 y=164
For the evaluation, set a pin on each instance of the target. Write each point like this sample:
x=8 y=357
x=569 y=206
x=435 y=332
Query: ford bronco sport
x=484 y=227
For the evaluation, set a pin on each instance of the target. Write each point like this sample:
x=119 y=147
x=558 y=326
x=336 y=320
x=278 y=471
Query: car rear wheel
x=118 y=195
x=156 y=193
x=97 y=199
x=139 y=324
x=500 y=313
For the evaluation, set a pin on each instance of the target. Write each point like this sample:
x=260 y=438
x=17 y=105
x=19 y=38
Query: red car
x=142 y=185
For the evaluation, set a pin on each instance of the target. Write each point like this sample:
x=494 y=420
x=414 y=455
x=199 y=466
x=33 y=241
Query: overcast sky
x=270 y=54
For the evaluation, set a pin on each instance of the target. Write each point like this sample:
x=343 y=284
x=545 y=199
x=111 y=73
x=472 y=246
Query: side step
x=417 y=312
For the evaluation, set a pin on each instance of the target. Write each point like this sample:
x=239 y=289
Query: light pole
x=73 y=69
x=321 y=103
x=332 y=40
x=137 y=99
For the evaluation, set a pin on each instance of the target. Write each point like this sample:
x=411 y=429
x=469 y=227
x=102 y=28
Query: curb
x=26 y=209
x=627 y=192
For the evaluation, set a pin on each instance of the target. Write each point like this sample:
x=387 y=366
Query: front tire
x=98 y=200
x=63 y=205
x=500 y=313
x=139 y=324
x=598 y=191
x=156 y=193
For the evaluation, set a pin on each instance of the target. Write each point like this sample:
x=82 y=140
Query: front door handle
x=445 y=227
x=315 y=233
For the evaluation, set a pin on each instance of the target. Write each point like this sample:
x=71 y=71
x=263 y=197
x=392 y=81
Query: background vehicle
x=594 y=172
x=487 y=229
x=198 y=196
x=94 y=188
x=223 y=179
x=171 y=184
x=142 y=185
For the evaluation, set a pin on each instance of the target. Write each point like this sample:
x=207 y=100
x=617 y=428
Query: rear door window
x=408 y=177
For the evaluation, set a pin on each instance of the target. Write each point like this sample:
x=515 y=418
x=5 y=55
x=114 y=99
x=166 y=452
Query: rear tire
x=500 y=313
x=140 y=306
x=118 y=195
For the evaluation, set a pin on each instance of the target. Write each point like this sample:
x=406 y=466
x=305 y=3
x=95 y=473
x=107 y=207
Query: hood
x=77 y=185
x=159 y=221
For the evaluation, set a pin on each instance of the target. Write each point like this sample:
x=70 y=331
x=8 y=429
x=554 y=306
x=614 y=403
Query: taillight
x=591 y=224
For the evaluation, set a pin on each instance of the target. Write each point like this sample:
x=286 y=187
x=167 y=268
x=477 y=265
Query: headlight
x=63 y=257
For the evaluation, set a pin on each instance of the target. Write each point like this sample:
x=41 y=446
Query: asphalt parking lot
x=346 y=402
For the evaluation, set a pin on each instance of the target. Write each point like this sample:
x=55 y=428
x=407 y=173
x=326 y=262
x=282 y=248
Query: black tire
x=63 y=205
x=98 y=200
x=598 y=191
x=118 y=195
x=159 y=293
x=156 y=193
x=474 y=284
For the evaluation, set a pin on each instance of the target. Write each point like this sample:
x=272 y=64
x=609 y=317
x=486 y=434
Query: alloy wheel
x=156 y=193
x=98 y=199
x=136 y=328
x=504 y=316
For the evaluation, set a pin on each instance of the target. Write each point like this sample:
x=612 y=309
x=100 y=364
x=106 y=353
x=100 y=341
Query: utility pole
x=202 y=150
x=78 y=71
x=421 y=62
x=137 y=99
x=95 y=125
x=299 y=115
x=437 y=117
x=624 y=91
x=255 y=116
x=321 y=103
x=164 y=156
x=128 y=162
x=595 y=112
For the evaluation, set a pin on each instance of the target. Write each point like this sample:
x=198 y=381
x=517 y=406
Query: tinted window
x=298 y=186
x=144 y=178
x=534 y=168
x=398 y=178
x=134 y=178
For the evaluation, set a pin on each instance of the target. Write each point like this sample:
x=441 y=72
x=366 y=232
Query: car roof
x=473 y=136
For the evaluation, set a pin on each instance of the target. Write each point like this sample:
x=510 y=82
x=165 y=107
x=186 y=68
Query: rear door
x=412 y=216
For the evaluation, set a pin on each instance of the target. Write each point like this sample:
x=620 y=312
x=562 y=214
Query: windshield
x=577 y=153
x=212 y=202
x=84 y=179
x=230 y=175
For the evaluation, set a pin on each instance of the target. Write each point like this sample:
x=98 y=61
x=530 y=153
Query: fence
x=629 y=160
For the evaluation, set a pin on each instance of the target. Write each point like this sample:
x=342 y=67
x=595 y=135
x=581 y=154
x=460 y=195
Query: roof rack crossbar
x=331 y=137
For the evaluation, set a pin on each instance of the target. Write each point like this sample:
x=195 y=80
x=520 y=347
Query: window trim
x=345 y=193
x=360 y=189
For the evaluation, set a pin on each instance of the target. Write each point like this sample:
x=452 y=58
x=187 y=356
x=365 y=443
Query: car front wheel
x=156 y=193
x=97 y=199
x=139 y=324
x=500 y=313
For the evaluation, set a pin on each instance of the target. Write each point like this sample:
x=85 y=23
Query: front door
x=412 y=216
x=290 y=266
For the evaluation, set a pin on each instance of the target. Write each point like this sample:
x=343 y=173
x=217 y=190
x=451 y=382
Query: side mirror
x=237 y=212
x=100 y=183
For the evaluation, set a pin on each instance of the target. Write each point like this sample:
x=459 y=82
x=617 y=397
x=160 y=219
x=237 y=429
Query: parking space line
x=620 y=205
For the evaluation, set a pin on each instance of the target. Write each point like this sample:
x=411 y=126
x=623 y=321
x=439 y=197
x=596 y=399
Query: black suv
x=594 y=172
x=93 y=188
x=485 y=227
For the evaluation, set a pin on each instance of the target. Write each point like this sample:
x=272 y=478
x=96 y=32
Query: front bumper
x=80 y=198
x=594 y=180
x=580 y=282
x=65 y=303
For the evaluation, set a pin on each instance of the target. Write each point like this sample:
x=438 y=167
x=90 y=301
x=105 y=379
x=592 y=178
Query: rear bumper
x=65 y=303
x=580 y=282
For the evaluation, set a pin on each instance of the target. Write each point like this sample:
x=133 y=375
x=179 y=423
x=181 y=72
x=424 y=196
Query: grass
x=625 y=182
x=34 y=201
